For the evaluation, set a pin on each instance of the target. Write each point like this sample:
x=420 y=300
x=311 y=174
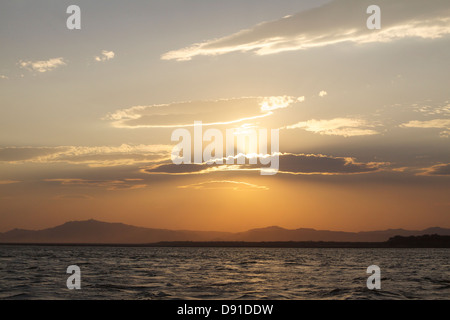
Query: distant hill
x=93 y=231
x=280 y=234
x=97 y=232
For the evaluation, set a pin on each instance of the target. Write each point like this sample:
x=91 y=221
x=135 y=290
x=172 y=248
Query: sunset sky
x=86 y=116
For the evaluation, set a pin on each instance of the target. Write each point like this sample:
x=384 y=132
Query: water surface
x=39 y=272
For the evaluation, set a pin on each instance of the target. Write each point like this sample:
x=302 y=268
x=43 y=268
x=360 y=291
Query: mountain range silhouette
x=98 y=232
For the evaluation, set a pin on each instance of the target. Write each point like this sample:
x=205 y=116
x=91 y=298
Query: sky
x=87 y=116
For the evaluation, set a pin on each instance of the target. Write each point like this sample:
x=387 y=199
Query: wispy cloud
x=330 y=24
x=437 y=170
x=224 y=185
x=42 y=65
x=296 y=164
x=273 y=103
x=431 y=124
x=105 y=56
x=74 y=196
x=442 y=109
x=210 y=112
x=4 y=182
x=346 y=127
x=318 y=164
x=4 y=77
x=101 y=156
x=110 y=185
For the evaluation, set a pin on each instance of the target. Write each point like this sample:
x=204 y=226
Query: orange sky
x=363 y=115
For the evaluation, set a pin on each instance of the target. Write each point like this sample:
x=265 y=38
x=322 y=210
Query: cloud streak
x=341 y=21
x=5 y=182
x=224 y=185
x=101 y=156
x=346 y=127
x=295 y=164
x=110 y=185
x=431 y=124
x=213 y=112
x=437 y=170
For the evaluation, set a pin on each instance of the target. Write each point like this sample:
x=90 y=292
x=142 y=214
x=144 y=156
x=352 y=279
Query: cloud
x=273 y=103
x=43 y=65
x=346 y=127
x=74 y=196
x=101 y=156
x=3 y=77
x=325 y=165
x=323 y=94
x=182 y=169
x=340 y=21
x=437 y=170
x=212 y=112
x=110 y=185
x=105 y=56
x=4 y=182
x=15 y=154
x=297 y=164
x=443 y=109
x=431 y=124
x=224 y=185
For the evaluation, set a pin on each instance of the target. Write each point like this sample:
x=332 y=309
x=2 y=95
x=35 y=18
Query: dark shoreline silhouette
x=425 y=241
